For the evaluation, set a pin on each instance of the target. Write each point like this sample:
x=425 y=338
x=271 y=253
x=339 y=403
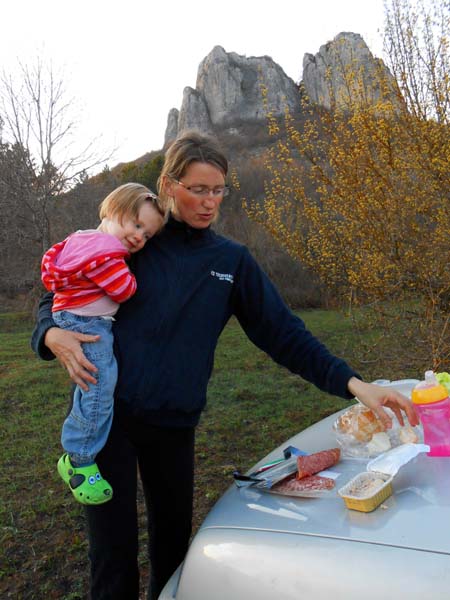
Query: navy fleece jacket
x=189 y=283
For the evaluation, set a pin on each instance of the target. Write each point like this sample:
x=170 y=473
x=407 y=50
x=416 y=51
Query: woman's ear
x=168 y=185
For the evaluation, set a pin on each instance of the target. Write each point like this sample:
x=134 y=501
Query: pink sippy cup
x=433 y=405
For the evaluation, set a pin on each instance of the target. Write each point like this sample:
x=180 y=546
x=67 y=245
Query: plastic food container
x=369 y=489
x=366 y=491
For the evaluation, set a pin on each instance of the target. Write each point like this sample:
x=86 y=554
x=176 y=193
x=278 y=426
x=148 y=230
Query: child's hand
x=66 y=346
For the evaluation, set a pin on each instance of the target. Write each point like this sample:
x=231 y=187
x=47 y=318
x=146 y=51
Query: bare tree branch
x=39 y=159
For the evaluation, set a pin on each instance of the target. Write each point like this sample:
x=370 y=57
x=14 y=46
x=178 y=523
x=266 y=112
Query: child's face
x=134 y=232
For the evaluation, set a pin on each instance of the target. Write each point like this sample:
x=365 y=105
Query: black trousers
x=165 y=457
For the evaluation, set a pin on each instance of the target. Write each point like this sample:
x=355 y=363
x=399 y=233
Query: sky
x=126 y=63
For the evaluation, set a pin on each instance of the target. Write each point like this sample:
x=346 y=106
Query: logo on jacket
x=223 y=276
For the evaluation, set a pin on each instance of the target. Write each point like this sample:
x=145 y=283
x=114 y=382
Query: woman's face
x=197 y=195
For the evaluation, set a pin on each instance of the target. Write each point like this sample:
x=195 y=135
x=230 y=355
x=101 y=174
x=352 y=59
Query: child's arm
x=115 y=278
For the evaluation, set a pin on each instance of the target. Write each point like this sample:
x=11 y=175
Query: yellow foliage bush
x=360 y=193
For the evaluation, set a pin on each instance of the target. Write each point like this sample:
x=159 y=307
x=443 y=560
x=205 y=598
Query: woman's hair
x=188 y=148
x=127 y=200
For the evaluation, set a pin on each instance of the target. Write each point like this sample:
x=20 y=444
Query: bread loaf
x=360 y=422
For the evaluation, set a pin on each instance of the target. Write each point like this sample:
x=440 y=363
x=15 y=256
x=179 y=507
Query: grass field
x=253 y=405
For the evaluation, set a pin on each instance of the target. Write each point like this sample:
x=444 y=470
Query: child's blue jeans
x=86 y=429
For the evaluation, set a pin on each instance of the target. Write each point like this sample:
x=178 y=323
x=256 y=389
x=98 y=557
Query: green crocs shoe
x=86 y=483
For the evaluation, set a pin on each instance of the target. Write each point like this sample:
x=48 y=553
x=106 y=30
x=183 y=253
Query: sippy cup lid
x=428 y=391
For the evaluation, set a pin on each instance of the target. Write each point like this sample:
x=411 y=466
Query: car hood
x=255 y=544
x=414 y=517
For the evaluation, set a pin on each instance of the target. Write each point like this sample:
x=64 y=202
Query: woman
x=190 y=281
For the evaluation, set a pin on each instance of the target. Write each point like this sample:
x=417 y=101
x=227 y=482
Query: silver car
x=263 y=546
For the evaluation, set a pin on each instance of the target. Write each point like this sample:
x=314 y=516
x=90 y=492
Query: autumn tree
x=360 y=192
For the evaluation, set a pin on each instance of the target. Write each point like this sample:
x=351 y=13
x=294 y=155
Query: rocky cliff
x=343 y=71
x=228 y=91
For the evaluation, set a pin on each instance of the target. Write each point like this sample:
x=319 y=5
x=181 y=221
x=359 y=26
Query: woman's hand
x=66 y=346
x=376 y=397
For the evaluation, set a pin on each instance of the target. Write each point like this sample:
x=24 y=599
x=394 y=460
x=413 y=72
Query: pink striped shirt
x=85 y=267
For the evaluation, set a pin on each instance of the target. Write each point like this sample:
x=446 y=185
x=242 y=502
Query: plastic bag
x=360 y=434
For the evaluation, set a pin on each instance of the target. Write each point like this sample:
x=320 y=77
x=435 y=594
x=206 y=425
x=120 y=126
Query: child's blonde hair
x=127 y=200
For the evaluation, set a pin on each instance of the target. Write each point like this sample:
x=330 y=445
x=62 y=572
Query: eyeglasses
x=203 y=190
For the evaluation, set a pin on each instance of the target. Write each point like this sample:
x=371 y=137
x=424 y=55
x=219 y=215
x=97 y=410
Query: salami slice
x=293 y=486
x=313 y=463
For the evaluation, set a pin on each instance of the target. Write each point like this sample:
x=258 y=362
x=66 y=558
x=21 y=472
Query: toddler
x=89 y=277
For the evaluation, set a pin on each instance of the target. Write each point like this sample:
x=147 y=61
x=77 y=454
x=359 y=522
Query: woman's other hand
x=66 y=346
x=376 y=397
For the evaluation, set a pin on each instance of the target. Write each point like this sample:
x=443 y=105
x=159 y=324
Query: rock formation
x=194 y=112
x=172 y=124
x=228 y=91
x=344 y=70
